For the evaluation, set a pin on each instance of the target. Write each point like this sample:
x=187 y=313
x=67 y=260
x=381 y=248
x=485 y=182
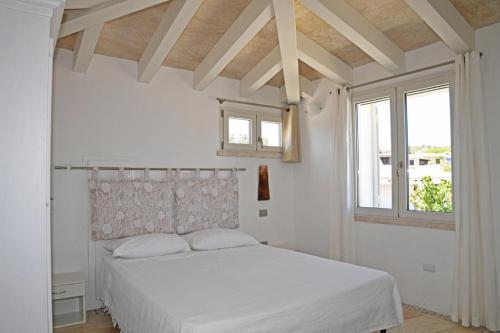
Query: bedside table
x=69 y=286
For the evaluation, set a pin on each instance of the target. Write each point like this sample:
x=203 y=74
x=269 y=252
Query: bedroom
x=150 y=84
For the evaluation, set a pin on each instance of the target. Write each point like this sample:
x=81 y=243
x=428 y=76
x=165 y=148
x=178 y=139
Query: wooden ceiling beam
x=264 y=71
x=284 y=10
x=173 y=23
x=253 y=18
x=323 y=61
x=84 y=48
x=83 y=4
x=106 y=12
x=447 y=23
x=307 y=89
x=355 y=27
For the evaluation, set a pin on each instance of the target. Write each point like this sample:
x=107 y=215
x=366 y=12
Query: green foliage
x=432 y=197
x=429 y=149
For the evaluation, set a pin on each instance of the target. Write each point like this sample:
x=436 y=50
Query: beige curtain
x=291 y=139
x=342 y=204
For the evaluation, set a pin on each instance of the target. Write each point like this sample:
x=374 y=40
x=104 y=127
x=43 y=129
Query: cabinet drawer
x=68 y=291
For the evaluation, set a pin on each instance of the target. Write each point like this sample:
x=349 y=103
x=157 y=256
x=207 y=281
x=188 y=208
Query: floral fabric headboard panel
x=202 y=203
x=122 y=208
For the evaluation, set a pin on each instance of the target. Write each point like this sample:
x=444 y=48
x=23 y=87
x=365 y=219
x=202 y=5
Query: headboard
x=96 y=250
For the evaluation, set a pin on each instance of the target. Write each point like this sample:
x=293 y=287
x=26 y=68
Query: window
x=404 y=151
x=240 y=131
x=428 y=136
x=243 y=130
x=374 y=148
x=269 y=132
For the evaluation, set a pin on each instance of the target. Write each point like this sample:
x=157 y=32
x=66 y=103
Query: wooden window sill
x=408 y=222
x=250 y=153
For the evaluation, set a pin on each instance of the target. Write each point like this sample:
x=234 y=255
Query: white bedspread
x=251 y=289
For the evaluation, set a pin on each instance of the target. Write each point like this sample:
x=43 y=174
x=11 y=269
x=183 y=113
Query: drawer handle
x=59 y=292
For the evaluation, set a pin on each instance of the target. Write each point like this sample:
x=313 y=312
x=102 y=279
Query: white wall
x=25 y=86
x=106 y=114
x=312 y=180
x=399 y=250
x=402 y=251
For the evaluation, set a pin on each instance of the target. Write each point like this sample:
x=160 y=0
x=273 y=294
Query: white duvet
x=249 y=289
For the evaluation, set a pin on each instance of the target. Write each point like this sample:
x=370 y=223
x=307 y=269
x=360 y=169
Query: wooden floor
x=415 y=322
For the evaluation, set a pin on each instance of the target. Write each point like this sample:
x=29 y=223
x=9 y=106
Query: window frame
x=402 y=90
x=269 y=118
x=240 y=114
x=400 y=165
x=373 y=95
x=256 y=117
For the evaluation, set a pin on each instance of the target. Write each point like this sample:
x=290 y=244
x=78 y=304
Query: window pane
x=271 y=133
x=429 y=150
x=374 y=154
x=240 y=131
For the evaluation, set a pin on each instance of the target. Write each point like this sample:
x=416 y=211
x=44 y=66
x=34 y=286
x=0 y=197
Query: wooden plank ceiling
x=128 y=36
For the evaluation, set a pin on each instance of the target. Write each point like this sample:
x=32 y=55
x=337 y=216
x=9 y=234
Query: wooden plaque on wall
x=263 y=183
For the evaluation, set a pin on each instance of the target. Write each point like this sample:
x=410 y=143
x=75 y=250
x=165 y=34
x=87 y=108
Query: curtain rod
x=68 y=167
x=223 y=100
x=407 y=73
x=403 y=74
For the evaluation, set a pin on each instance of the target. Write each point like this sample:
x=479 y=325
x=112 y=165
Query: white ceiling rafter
x=284 y=11
x=247 y=25
x=103 y=13
x=307 y=88
x=447 y=23
x=87 y=18
x=264 y=71
x=84 y=48
x=173 y=23
x=323 y=61
x=355 y=27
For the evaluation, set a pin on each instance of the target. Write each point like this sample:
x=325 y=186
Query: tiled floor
x=415 y=322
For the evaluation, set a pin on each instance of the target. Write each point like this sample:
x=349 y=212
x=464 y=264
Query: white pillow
x=218 y=238
x=150 y=245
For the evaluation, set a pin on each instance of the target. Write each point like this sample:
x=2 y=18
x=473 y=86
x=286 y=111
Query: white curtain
x=474 y=287
x=342 y=220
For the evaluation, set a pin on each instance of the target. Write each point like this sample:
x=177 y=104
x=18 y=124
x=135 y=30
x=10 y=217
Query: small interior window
x=240 y=131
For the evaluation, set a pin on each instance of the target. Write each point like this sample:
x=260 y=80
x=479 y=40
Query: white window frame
x=396 y=93
x=374 y=95
x=256 y=118
x=402 y=89
x=270 y=118
x=236 y=113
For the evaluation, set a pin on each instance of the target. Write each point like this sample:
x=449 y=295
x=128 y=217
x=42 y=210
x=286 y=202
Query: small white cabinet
x=67 y=286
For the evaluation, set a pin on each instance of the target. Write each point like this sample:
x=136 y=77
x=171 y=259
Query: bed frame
x=96 y=254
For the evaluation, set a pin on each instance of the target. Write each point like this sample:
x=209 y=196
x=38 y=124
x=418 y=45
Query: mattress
x=248 y=289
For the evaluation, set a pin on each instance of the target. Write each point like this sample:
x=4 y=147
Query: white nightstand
x=69 y=286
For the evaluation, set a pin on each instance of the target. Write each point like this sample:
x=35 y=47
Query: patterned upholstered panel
x=202 y=203
x=130 y=207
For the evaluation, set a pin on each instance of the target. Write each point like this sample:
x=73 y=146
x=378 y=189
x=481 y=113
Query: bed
x=247 y=289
